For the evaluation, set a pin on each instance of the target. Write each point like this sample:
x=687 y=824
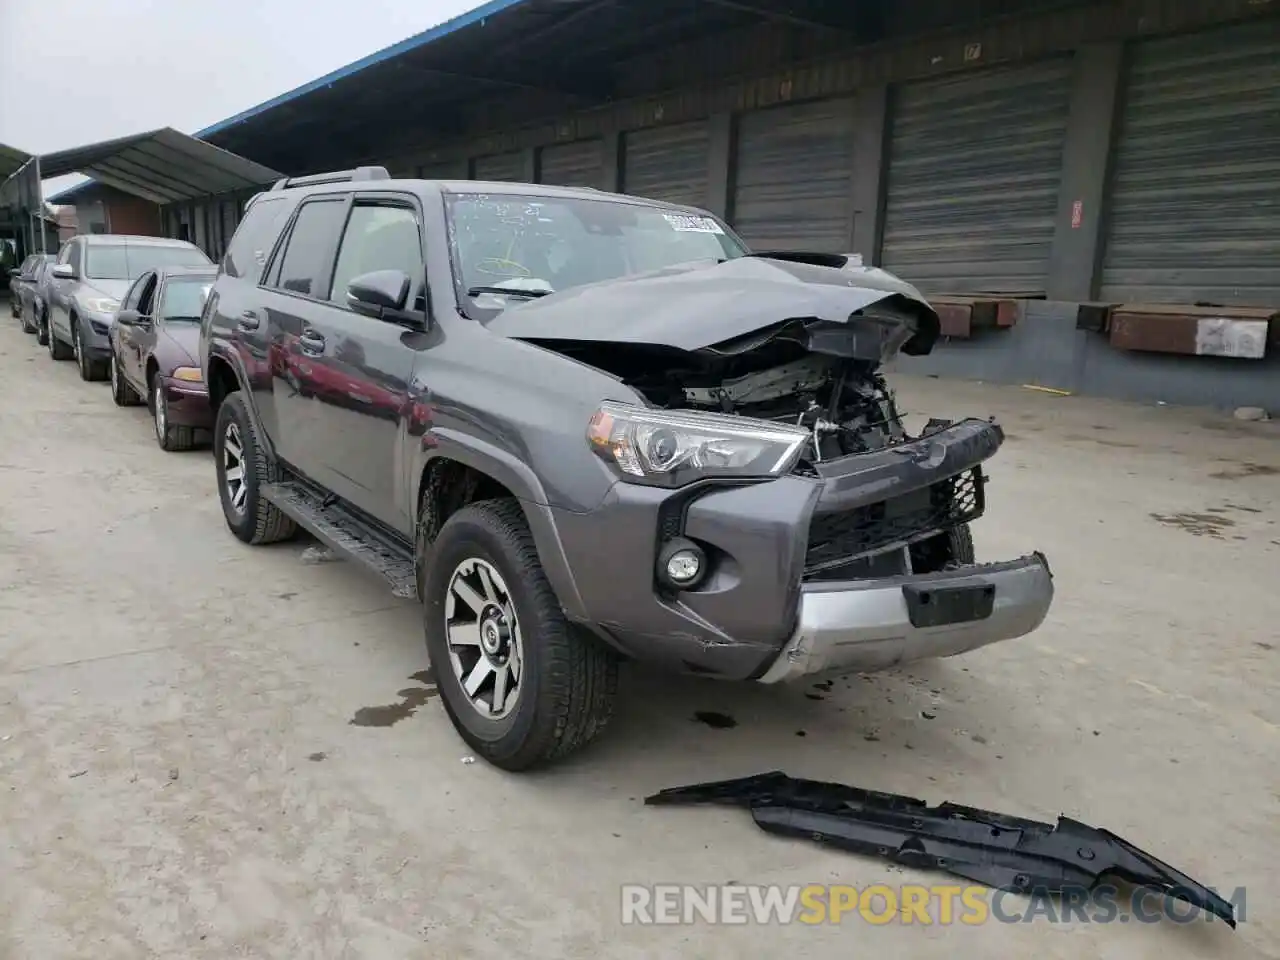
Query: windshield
x=128 y=261
x=184 y=297
x=547 y=244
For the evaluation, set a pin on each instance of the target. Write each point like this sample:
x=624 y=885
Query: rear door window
x=250 y=247
x=306 y=263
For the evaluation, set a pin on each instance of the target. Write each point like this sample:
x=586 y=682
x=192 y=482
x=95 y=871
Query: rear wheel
x=42 y=330
x=522 y=685
x=243 y=469
x=170 y=436
x=123 y=394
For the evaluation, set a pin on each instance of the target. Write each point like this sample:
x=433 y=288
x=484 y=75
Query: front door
x=135 y=340
x=361 y=379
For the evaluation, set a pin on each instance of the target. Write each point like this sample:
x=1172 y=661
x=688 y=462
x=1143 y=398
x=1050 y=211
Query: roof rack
x=337 y=176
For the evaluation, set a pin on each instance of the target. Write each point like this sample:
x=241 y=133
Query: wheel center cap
x=494 y=633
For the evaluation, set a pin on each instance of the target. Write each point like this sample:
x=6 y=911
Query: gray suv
x=585 y=427
x=86 y=285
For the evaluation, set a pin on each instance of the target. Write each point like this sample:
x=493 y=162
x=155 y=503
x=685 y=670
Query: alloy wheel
x=115 y=375
x=161 y=410
x=233 y=467
x=486 y=648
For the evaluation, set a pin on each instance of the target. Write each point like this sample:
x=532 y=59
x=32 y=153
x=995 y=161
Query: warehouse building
x=1090 y=190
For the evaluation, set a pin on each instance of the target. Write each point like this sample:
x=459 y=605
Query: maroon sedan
x=154 y=344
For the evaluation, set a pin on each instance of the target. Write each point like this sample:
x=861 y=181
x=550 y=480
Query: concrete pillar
x=871 y=131
x=1076 y=254
x=721 y=163
x=531 y=164
x=611 y=161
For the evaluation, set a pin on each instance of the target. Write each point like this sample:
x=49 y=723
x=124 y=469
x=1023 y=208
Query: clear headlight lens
x=102 y=304
x=671 y=448
x=190 y=374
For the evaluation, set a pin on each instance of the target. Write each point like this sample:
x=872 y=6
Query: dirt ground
x=213 y=751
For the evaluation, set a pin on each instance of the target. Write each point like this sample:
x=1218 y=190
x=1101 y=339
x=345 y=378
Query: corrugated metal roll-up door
x=667 y=163
x=501 y=166
x=1194 y=208
x=975 y=161
x=794 y=185
x=579 y=164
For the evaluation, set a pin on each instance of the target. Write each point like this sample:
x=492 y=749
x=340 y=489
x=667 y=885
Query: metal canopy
x=163 y=166
x=11 y=161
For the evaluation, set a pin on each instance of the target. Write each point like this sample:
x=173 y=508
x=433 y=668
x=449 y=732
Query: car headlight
x=671 y=448
x=190 y=374
x=101 y=304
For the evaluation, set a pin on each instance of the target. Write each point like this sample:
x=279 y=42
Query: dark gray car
x=583 y=427
x=91 y=277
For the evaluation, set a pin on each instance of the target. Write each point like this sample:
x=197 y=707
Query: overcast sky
x=79 y=71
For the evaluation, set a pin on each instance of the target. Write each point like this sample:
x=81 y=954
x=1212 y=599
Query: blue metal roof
x=478 y=15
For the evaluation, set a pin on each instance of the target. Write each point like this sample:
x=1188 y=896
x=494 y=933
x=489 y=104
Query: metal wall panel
x=1194 y=208
x=794 y=177
x=667 y=163
x=975 y=161
x=579 y=164
x=501 y=166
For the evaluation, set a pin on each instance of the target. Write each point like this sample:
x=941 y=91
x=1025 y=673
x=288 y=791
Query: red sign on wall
x=1077 y=214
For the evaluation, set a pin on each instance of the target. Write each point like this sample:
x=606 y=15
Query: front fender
x=517 y=477
x=225 y=353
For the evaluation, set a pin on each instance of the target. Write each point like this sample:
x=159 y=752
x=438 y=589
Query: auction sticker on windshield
x=687 y=223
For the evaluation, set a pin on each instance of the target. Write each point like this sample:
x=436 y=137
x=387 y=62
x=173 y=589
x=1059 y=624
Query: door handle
x=249 y=321
x=311 y=342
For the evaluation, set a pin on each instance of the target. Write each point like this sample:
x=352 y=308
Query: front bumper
x=94 y=336
x=188 y=403
x=865 y=626
x=761 y=600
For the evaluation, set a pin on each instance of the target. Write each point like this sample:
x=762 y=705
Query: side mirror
x=64 y=271
x=372 y=294
x=131 y=318
x=15 y=273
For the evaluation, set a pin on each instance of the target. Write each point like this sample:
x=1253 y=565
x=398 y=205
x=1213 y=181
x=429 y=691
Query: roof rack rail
x=337 y=176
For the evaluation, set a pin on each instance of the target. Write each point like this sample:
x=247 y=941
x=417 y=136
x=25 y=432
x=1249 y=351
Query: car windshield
x=128 y=261
x=184 y=297
x=535 y=245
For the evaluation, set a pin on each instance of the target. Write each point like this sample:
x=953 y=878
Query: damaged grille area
x=837 y=539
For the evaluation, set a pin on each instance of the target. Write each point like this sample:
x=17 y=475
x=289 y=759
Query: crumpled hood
x=697 y=305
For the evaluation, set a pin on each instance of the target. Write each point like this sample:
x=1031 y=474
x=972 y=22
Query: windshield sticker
x=686 y=223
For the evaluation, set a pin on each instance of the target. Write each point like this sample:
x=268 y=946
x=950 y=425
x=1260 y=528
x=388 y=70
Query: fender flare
x=519 y=478
x=224 y=354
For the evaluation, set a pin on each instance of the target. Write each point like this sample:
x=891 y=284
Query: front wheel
x=90 y=369
x=522 y=685
x=57 y=349
x=170 y=436
x=42 y=331
x=121 y=393
x=243 y=469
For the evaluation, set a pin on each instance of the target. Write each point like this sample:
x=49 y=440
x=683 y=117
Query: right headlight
x=671 y=448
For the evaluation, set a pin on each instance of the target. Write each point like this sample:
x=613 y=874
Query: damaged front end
x=790 y=477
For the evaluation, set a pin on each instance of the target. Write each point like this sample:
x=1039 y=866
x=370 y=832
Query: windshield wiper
x=192 y=319
x=508 y=291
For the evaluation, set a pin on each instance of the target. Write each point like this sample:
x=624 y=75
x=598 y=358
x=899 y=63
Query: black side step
x=349 y=535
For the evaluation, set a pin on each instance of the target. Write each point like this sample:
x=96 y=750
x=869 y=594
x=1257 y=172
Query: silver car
x=92 y=275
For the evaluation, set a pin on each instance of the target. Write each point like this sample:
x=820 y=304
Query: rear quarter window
x=250 y=247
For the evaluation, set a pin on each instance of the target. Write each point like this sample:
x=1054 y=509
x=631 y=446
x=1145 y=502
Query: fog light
x=681 y=564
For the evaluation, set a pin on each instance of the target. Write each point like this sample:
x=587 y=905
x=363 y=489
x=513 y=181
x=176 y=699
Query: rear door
x=293 y=293
x=360 y=382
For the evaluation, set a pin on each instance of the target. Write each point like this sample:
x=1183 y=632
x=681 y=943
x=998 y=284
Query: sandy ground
x=180 y=776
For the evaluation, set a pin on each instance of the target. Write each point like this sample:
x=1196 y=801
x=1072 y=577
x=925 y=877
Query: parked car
x=29 y=311
x=91 y=276
x=44 y=283
x=153 y=346
x=618 y=433
x=21 y=285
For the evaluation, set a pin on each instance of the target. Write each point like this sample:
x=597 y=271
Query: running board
x=347 y=534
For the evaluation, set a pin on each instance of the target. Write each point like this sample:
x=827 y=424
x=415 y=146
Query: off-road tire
x=57 y=349
x=122 y=394
x=962 y=551
x=172 y=437
x=569 y=679
x=42 y=331
x=260 y=521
